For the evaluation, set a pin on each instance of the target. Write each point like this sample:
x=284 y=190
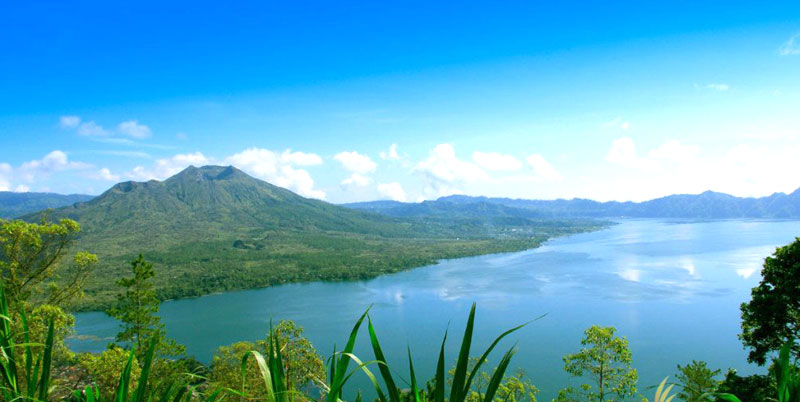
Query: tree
x=37 y=280
x=31 y=257
x=105 y=368
x=753 y=388
x=696 y=379
x=303 y=366
x=512 y=388
x=607 y=360
x=137 y=308
x=773 y=314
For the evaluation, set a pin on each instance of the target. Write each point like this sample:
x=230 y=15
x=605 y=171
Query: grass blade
x=266 y=376
x=124 y=381
x=489 y=350
x=141 y=388
x=383 y=365
x=47 y=361
x=438 y=394
x=459 y=378
x=344 y=360
x=414 y=388
x=497 y=377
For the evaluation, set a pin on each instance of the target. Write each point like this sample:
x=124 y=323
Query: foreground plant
x=787 y=377
x=26 y=375
x=462 y=379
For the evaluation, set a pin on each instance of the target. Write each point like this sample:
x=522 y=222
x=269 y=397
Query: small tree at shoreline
x=137 y=307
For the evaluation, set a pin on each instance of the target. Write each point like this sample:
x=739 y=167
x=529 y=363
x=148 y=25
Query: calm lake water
x=673 y=288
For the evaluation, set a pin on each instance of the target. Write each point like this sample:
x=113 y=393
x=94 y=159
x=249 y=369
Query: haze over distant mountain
x=13 y=204
x=215 y=228
x=708 y=205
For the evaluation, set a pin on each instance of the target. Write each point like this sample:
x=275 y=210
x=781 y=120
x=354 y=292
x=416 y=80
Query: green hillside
x=14 y=204
x=215 y=228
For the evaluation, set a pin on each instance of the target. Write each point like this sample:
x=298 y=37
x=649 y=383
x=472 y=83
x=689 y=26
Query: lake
x=673 y=288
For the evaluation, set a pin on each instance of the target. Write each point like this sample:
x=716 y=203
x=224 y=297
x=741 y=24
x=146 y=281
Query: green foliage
x=105 y=368
x=30 y=263
x=137 y=307
x=773 y=314
x=753 y=388
x=513 y=388
x=786 y=385
x=606 y=359
x=38 y=322
x=696 y=380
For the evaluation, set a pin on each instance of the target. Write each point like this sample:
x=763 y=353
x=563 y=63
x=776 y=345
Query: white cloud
x=55 y=161
x=443 y=171
x=35 y=171
x=132 y=128
x=633 y=275
x=357 y=180
x=167 y=167
x=5 y=179
x=790 y=47
x=673 y=153
x=355 y=162
x=543 y=169
x=618 y=123
x=301 y=158
x=391 y=154
x=278 y=169
x=669 y=155
x=105 y=174
x=745 y=272
x=753 y=169
x=623 y=152
x=393 y=191
x=90 y=128
x=494 y=161
x=69 y=122
x=718 y=87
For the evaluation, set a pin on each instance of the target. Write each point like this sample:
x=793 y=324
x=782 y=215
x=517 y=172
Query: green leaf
x=391 y=387
x=497 y=377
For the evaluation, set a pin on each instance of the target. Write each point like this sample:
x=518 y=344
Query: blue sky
x=352 y=101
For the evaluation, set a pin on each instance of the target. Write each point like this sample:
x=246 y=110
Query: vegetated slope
x=13 y=205
x=708 y=205
x=216 y=228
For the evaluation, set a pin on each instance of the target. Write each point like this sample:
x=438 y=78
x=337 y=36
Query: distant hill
x=708 y=205
x=215 y=228
x=13 y=205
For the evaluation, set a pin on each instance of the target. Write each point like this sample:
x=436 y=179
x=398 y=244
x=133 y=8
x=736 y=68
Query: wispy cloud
x=718 y=87
x=790 y=47
x=133 y=129
x=129 y=154
x=618 y=123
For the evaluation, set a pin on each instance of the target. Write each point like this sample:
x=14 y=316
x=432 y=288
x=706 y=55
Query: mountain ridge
x=706 y=205
x=14 y=204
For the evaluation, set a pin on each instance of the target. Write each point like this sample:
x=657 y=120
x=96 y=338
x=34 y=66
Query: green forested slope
x=216 y=228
